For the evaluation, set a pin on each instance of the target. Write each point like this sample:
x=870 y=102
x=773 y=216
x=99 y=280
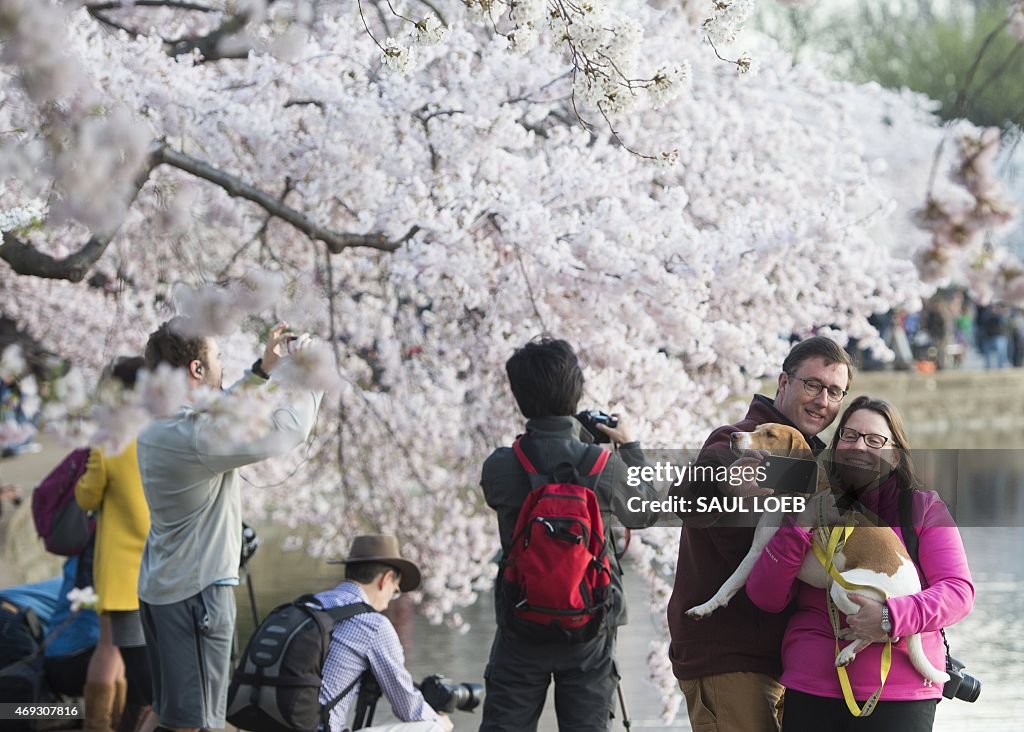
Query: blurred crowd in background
x=949 y=331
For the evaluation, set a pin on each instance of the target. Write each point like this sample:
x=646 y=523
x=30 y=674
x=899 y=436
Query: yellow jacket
x=112 y=486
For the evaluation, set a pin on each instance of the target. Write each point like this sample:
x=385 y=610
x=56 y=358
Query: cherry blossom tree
x=425 y=188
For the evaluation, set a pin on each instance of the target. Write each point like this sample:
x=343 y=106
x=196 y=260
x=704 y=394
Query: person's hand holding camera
x=621 y=433
x=281 y=343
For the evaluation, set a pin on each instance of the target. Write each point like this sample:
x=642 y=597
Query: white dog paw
x=845 y=657
x=702 y=611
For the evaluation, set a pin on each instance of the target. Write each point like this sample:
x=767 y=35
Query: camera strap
x=913 y=544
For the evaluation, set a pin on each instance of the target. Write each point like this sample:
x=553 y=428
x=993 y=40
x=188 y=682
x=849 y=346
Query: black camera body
x=446 y=696
x=250 y=543
x=960 y=685
x=590 y=418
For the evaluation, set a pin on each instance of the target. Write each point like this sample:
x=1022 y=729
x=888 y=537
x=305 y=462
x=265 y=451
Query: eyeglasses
x=848 y=434
x=398 y=585
x=813 y=387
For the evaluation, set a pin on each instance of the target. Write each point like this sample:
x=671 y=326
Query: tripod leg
x=252 y=600
x=622 y=702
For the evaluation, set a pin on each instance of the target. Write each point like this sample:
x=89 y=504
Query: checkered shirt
x=366 y=641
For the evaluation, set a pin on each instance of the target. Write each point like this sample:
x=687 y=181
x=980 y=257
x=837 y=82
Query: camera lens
x=969 y=690
x=466 y=697
x=445 y=696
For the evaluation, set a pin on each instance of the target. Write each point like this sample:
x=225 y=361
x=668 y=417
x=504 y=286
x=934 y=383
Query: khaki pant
x=735 y=702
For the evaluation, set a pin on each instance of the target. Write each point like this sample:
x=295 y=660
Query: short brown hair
x=168 y=344
x=818 y=346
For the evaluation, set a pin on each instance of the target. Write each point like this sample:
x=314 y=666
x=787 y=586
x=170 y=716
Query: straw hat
x=382 y=548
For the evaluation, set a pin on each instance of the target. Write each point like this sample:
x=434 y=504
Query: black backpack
x=23 y=683
x=21 y=632
x=276 y=687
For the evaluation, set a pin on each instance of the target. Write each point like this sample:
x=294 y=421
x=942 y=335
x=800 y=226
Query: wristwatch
x=257 y=368
x=886 y=622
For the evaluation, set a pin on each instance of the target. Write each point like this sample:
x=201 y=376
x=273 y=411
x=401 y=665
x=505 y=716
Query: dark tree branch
x=207 y=45
x=436 y=12
x=335 y=241
x=175 y=4
x=25 y=259
x=305 y=102
x=99 y=16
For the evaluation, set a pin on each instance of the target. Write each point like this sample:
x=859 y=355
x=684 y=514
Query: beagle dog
x=872 y=557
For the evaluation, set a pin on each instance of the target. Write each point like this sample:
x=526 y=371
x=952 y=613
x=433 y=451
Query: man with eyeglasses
x=729 y=663
x=375 y=574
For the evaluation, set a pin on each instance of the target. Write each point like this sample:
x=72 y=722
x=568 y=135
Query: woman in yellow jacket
x=112 y=486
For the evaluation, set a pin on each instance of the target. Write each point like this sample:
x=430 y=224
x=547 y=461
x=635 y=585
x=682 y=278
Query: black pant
x=139 y=675
x=808 y=713
x=518 y=675
x=66 y=674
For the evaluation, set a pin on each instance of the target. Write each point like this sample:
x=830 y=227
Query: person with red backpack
x=558 y=595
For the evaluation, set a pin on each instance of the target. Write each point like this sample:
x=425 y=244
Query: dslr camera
x=445 y=696
x=590 y=418
x=960 y=685
x=250 y=543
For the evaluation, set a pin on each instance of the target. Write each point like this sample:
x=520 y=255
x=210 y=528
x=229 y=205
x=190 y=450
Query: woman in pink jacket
x=869 y=441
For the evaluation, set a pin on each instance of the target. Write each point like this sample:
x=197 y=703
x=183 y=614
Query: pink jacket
x=808 y=648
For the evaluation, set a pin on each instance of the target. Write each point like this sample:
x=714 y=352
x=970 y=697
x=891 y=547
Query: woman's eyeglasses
x=848 y=434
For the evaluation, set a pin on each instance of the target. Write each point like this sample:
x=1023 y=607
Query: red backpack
x=60 y=522
x=554 y=584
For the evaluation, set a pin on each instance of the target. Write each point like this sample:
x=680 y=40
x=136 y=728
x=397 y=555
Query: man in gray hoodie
x=190 y=562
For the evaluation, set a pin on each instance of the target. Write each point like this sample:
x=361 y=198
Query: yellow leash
x=833 y=541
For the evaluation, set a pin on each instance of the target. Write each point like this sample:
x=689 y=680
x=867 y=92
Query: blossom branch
x=260 y=235
x=335 y=241
x=25 y=259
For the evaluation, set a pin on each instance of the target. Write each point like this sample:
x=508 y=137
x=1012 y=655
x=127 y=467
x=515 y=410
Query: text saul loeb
x=723 y=504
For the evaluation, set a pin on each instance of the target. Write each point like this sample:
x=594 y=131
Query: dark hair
x=906 y=476
x=546 y=378
x=367 y=572
x=125 y=369
x=818 y=346
x=168 y=344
